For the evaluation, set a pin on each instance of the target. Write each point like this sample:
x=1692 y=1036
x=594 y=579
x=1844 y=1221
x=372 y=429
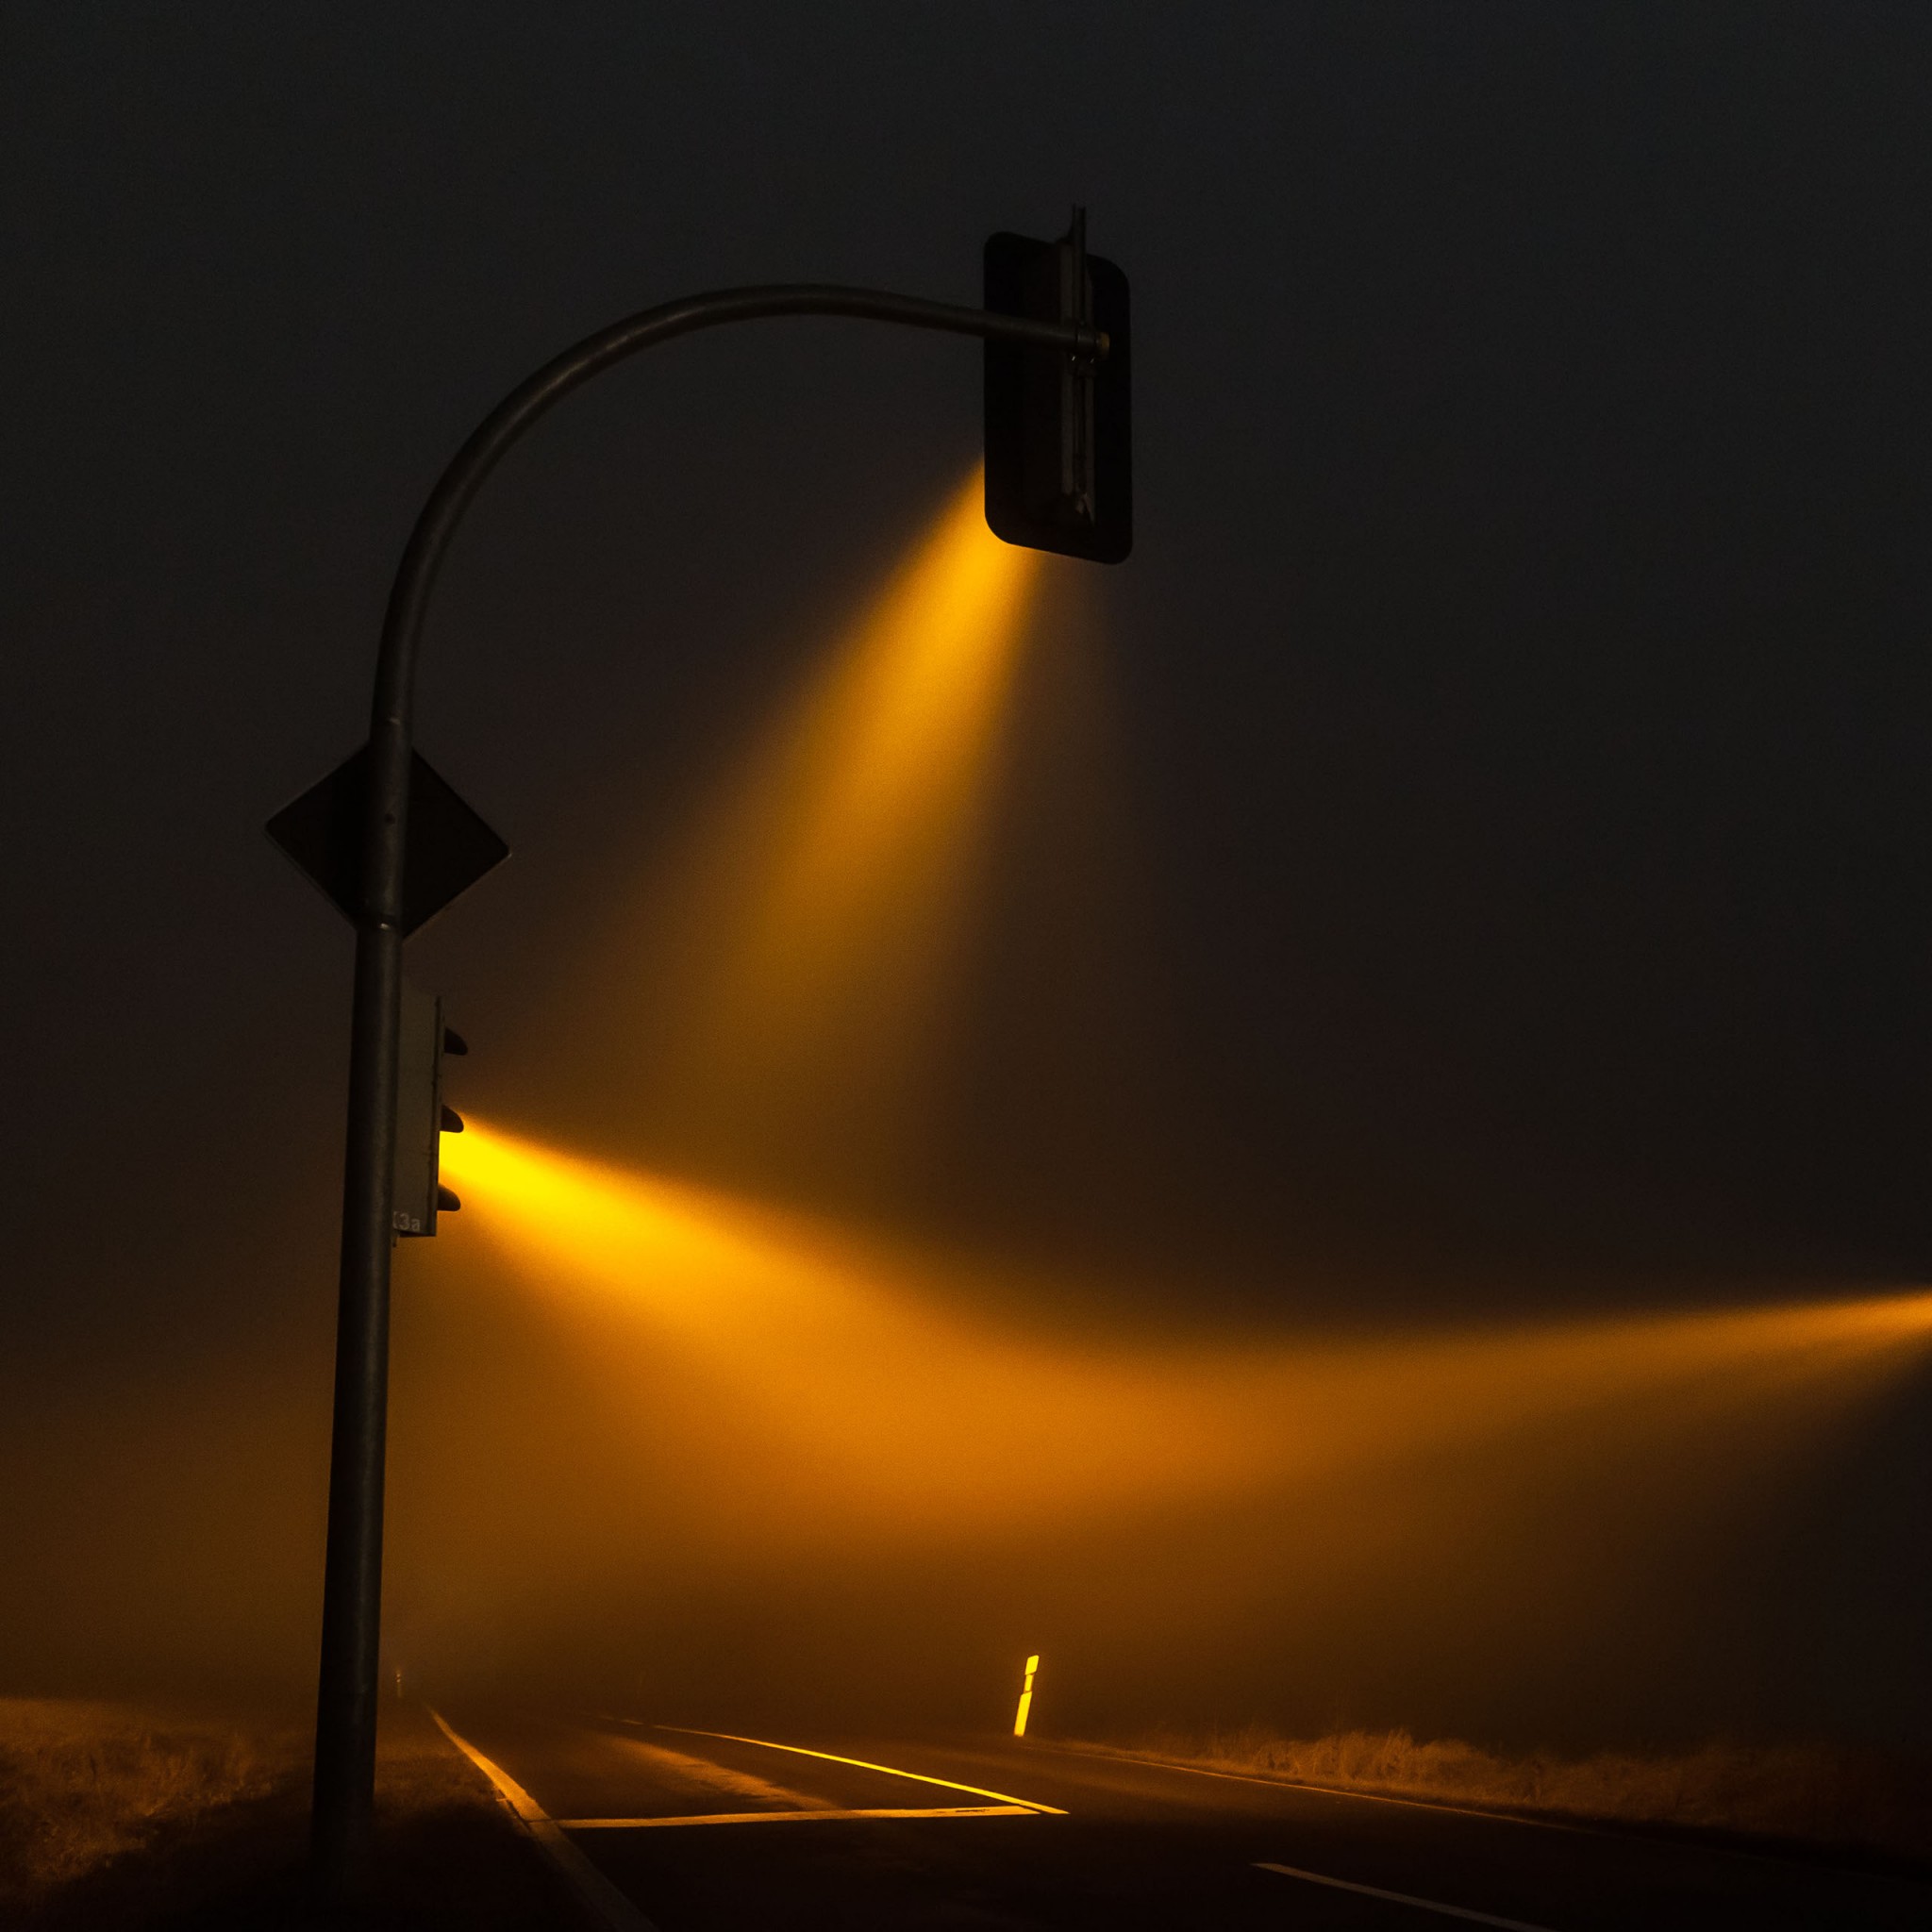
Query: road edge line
x=1302 y=1784
x=1620 y=1832
x=611 y=1909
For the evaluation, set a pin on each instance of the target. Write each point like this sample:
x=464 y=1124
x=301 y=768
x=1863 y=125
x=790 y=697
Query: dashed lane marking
x=1403 y=1898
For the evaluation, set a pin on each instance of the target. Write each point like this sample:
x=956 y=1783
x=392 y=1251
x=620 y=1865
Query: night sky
x=1516 y=894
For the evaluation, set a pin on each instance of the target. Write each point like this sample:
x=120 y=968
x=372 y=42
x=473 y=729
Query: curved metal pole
x=351 y=1588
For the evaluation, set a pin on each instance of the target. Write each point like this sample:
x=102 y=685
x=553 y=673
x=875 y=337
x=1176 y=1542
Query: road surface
x=700 y=1832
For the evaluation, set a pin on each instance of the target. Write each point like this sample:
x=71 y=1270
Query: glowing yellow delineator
x=1026 y=1698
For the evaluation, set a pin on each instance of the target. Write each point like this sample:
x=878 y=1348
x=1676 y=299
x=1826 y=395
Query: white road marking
x=796 y=1817
x=890 y=1771
x=1296 y=1784
x=612 y=1910
x=1402 y=1898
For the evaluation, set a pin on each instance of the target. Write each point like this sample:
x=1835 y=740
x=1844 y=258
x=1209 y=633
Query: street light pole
x=351 y=1588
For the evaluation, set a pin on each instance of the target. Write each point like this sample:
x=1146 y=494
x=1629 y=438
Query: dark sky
x=1520 y=676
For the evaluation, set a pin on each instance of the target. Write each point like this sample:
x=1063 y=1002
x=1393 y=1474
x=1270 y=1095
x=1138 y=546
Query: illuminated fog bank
x=714 y=1414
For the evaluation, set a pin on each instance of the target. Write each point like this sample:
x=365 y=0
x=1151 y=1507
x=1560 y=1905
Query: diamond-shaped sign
x=450 y=848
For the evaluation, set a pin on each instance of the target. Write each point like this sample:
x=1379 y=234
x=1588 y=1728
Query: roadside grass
x=118 y=1817
x=83 y=1782
x=1816 y=1796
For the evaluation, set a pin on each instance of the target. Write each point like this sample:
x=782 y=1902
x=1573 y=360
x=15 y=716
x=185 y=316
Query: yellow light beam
x=880 y=1404
x=828 y=886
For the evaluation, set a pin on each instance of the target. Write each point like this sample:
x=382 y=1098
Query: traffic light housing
x=1058 y=458
x=418 y=1194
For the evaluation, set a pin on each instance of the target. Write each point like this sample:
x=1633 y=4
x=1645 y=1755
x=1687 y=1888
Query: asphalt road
x=703 y=1833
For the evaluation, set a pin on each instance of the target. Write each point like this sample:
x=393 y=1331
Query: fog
x=706 y=1413
x=802 y=1472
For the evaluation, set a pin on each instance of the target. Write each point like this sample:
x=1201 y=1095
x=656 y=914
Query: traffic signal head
x=1059 y=465
x=422 y=1116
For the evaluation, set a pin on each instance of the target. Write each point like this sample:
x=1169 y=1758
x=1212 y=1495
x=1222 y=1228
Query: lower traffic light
x=421 y=1115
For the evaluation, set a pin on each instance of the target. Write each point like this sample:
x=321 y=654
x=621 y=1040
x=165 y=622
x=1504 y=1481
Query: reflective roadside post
x=1026 y=1698
x=1055 y=325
